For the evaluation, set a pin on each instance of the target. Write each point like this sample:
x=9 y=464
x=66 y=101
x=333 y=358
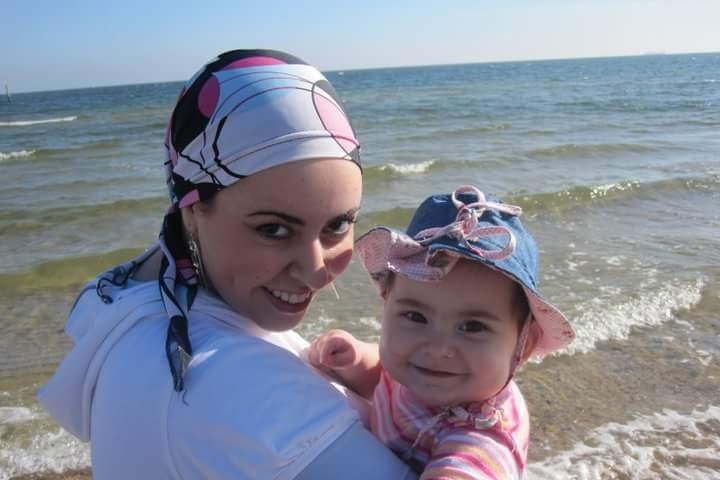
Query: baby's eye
x=473 y=326
x=340 y=225
x=415 y=317
x=273 y=231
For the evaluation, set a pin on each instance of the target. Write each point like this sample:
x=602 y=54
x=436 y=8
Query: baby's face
x=451 y=341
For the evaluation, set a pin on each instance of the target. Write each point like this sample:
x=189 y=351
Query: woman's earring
x=196 y=259
x=337 y=295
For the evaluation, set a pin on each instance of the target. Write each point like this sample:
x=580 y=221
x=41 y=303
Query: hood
x=95 y=327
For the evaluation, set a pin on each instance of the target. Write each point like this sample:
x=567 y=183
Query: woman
x=184 y=364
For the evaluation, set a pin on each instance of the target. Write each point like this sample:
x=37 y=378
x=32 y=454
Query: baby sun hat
x=245 y=111
x=466 y=224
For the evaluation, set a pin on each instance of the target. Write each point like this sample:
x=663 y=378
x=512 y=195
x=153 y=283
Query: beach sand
x=69 y=475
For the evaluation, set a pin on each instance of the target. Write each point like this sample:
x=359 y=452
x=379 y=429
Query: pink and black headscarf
x=243 y=112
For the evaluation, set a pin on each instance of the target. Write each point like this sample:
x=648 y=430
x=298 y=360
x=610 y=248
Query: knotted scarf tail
x=177 y=293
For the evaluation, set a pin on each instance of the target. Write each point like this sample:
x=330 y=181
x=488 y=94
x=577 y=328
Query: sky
x=60 y=44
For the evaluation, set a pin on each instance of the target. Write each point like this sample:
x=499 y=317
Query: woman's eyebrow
x=349 y=214
x=296 y=221
x=284 y=216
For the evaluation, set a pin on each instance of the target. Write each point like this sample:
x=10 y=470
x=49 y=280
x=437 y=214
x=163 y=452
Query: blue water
x=615 y=161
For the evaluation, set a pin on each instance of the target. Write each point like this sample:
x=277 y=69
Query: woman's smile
x=288 y=302
x=289 y=297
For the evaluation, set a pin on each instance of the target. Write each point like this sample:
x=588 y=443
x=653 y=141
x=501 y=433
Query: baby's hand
x=334 y=350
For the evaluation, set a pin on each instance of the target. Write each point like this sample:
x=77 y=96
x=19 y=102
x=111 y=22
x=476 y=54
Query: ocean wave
x=25 y=123
x=56 y=452
x=66 y=273
x=574 y=197
x=695 y=83
x=601 y=322
x=100 y=144
x=581 y=195
x=394 y=170
x=24 y=221
x=568 y=199
x=12 y=415
x=585 y=150
x=668 y=444
x=558 y=201
x=394 y=217
x=20 y=154
x=323 y=323
x=104 y=147
x=443 y=134
x=673 y=102
x=710 y=122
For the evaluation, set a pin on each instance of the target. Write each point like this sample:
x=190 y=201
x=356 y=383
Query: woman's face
x=273 y=239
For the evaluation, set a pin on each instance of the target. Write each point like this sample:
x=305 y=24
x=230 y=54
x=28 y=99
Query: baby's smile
x=434 y=372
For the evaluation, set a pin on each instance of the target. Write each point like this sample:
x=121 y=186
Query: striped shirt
x=487 y=440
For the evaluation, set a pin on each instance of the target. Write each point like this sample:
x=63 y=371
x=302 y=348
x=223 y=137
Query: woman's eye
x=273 y=230
x=473 y=326
x=415 y=317
x=340 y=226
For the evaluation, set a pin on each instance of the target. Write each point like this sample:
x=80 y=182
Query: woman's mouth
x=289 y=302
x=292 y=298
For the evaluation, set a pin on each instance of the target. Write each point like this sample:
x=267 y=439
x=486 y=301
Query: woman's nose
x=310 y=265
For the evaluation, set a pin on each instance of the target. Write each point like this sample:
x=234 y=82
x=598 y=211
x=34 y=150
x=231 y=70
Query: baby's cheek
x=382 y=349
x=389 y=351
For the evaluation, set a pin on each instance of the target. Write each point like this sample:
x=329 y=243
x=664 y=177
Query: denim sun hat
x=465 y=224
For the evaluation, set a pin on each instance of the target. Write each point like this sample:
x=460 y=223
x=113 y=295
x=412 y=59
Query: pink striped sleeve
x=470 y=454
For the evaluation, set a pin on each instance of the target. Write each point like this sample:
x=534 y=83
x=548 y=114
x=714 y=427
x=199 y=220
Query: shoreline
x=83 y=474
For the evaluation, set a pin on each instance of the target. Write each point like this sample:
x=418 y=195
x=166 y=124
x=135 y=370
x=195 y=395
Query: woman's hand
x=334 y=350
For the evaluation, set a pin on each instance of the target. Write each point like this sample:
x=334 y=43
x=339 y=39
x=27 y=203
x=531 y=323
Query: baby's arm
x=472 y=455
x=354 y=362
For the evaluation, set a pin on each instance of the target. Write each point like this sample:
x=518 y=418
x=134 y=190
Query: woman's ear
x=189 y=219
x=533 y=338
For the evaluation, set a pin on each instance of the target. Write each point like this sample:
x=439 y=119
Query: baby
x=461 y=313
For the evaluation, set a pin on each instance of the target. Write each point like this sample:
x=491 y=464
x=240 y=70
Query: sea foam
x=407 y=169
x=54 y=451
x=668 y=444
x=602 y=322
x=10 y=415
x=16 y=155
x=25 y=123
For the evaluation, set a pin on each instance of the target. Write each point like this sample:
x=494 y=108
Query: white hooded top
x=251 y=409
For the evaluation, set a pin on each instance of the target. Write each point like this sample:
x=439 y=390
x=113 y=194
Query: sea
x=615 y=162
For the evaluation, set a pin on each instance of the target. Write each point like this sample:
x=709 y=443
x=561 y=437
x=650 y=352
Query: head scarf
x=243 y=112
x=246 y=111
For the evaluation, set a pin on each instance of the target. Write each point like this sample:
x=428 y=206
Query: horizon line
x=355 y=69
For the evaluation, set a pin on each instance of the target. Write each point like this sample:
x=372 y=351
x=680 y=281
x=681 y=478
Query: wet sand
x=70 y=475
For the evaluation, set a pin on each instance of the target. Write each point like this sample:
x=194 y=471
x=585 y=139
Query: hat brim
x=383 y=250
x=557 y=333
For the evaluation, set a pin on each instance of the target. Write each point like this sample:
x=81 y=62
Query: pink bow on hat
x=465 y=229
